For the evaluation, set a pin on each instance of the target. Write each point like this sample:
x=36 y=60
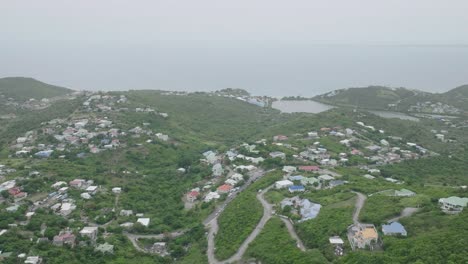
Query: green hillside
x=22 y=89
x=374 y=97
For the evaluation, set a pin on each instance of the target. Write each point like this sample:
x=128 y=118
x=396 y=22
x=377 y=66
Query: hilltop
x=399 y=99
x=22 y=89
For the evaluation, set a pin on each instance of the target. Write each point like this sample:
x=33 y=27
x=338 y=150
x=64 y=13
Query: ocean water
x=273 y=69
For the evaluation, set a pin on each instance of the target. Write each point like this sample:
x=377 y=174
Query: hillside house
x=453 y=204
x=144 y=221
x=394 y=228
x=296 y=188
x=283 y=184
x=277 y=154
x=90 y=231
x=64 y=238
x=309 y=168
x=289 y=169
x=362 y=236
x=217 y=170
x=225 y=188
x=192 y=196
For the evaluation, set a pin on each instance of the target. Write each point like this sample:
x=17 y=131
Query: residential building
x=192 y=196
x=225 y=188
x=64 y=238
x=289 y=169
x=453 y=204
x=283 y=184
x=309 y=168
x=89 y=231
x=144 y=221
x=309 y=181
x=404 y=193
x=296 y=188
x=394 y=228
x=105 y=248
x=363 y=236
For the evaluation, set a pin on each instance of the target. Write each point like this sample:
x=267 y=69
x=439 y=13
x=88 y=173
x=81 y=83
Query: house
x=85 y=196
x=309 y=181
x=283 y=184
x=368 y=176
x=64 y=238
x=277 y=154
x=89 y=231
x=44 y=153
x=296 y=188
x=309 y=168
x=33 y=260
x=225 y=188
x=126 y=212
x=192 y=196
x=211 y=196
x=117 y=190
x=217 y=170
x=105 y=248
x=296 y=178
x=144 y=221
x=92 y=189
x=363 y=236
x=453 y=204
x=404 y=193
x=289 y=169
x=394 y=228
x=334 y=183
x=325 y=177
x=159 y=248
x=280 y=138
x=338 y=244
x=309 y=210
x=77 y=183
x=336 y=240
x=66 y=209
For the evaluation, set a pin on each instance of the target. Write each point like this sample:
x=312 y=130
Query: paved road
x=361 y=198
x=408 y=211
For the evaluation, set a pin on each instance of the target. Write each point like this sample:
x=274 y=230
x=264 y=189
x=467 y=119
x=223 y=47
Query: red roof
x=14 y=191
x=309 y=168
x=224 y=188
x=193 y=194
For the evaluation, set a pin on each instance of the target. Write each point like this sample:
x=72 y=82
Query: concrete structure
x=453 y=204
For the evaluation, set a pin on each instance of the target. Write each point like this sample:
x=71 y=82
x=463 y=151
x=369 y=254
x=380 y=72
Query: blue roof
x=296 y=178
x=394 y=227
x=296 y=187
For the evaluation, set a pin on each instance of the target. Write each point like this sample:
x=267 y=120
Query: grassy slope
x=240 y=217
x=22 y=89
x=274 y=245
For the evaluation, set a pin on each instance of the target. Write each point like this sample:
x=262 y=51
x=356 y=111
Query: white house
x=283 y=184
x=453 y=204
x=144 y=221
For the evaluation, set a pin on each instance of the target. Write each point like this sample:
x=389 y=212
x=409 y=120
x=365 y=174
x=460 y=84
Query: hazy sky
x=301 y=47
